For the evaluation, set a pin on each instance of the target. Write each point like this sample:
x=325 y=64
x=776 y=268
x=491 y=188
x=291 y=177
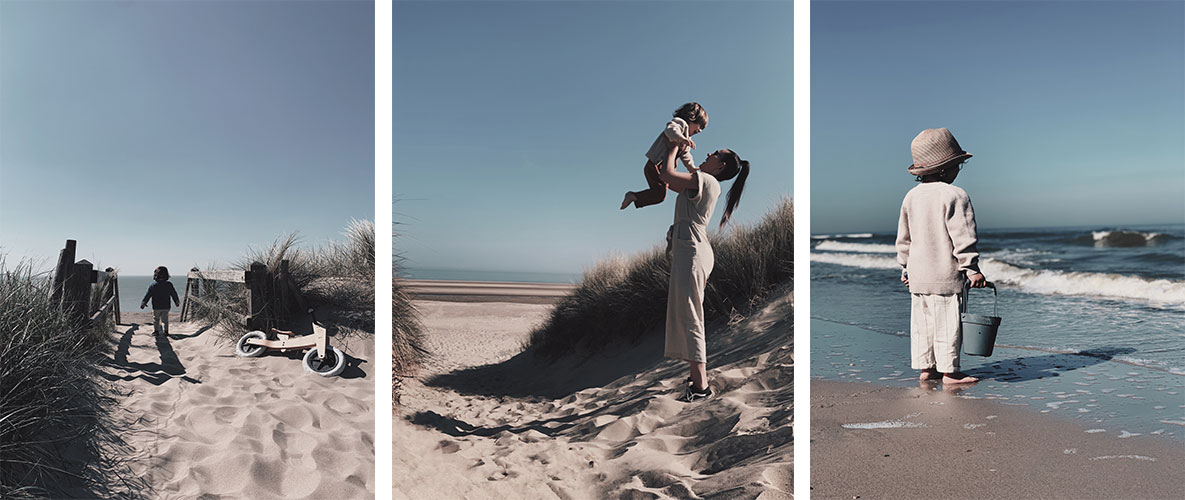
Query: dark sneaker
x=693 y=395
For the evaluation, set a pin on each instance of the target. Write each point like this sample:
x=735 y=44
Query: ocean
x=1101 y=310
x=133 y=288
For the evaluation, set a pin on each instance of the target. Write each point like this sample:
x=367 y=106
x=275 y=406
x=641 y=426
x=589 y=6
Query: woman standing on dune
x=692 y=258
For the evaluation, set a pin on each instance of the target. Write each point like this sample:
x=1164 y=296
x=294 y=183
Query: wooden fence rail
x=269 y=293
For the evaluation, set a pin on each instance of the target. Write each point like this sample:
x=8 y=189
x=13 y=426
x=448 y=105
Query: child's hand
x=141 y=306
x=687 y=143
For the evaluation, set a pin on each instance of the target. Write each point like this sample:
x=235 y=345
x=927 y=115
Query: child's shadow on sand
x=1049 y=365
x=155 y=373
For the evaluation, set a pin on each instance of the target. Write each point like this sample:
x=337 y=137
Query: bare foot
x=929 y=374
x=958 y=378
x=630 y=197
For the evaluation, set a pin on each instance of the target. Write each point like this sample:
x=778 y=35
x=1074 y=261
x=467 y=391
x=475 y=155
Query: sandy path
x=207 y=424
x=609 y=427
x=869 y=441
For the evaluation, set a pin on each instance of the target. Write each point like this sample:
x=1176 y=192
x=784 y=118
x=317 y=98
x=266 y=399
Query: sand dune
x=207 y=424
x=604 y=427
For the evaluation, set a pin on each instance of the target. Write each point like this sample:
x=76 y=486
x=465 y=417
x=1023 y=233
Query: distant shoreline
x=487 y=291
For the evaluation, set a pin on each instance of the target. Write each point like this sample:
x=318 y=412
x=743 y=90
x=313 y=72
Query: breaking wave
x=1161 y=292
x=1123 y=238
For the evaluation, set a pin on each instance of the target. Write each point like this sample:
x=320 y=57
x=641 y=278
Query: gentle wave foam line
x=866 y=261
x=1108 y=285
x=839 y=246
x=850 y=235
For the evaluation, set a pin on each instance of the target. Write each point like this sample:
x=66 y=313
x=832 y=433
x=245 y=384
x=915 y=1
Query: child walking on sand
x=160 y=291
x=689 y=119
x=936 y=247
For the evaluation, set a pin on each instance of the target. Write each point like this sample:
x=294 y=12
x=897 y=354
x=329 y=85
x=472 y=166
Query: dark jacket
x=161 y=292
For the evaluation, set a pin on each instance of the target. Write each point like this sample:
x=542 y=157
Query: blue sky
x=518 y=127
x=1075 y=111
x=181 y=133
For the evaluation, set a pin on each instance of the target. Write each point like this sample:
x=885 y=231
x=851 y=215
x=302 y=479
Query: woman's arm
x=677 y=181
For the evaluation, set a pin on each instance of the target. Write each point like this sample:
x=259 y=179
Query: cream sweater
x=936 y=238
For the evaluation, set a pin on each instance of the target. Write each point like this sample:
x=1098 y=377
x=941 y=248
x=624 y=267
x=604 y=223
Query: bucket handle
x=995 y=295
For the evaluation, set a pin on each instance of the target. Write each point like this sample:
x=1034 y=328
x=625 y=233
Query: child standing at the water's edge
x=689 y=119
x=936 y=247
x=160 y=291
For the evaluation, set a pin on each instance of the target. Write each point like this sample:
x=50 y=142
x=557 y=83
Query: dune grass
x=56 y=429
x=337 y=280
x=407 y=342
x=623 y=299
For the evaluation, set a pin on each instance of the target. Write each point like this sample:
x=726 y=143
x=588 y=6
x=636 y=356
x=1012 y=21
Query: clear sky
x=181 y=133
x=1075 y=111
x=518 y=127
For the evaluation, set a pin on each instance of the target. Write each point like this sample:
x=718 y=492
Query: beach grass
x=56 y=428
x=407 y=342
x=623 y=299
x=337 y=280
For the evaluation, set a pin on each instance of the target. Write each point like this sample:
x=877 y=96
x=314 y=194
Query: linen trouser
x=657 y=190
x=936 y=331
x=160 y=316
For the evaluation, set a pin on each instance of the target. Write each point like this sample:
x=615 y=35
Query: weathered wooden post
x=279 y=286
x=112 y=292
x=77 y=290
x=185 y=298
x=256 y=280
x=63 y=270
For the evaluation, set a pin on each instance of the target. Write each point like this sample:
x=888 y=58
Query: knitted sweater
x=936 y=238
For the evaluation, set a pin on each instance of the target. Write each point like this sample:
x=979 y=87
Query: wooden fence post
x=63 y=270
x=256 y=280
x=279 y=286
x=113 y=280
x=78 y=290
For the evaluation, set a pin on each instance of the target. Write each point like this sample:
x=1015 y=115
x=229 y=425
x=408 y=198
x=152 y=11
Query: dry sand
x=482 y=421
x=869 y=441
x=207 y=424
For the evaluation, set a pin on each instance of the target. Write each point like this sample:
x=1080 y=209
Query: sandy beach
x=484 y=421
x=204 y=423
x=872 y=441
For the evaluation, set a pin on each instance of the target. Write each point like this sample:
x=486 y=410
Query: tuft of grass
x=407 y=342
x=623 y=299
x=56 y=429
x=337 y=280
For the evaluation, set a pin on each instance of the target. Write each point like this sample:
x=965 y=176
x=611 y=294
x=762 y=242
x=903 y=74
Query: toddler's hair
x=692 y=112
x=161 y=273
x=939 y=174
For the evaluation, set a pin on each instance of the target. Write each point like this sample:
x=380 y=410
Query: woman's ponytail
x=734 y=192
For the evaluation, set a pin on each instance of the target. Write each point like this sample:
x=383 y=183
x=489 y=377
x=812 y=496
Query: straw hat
x=933 y=150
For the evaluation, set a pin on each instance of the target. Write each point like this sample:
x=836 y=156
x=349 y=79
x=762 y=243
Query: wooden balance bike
x=321 y=358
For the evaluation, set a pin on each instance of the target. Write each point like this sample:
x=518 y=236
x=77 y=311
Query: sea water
x=133 y=288
x=1093 y=319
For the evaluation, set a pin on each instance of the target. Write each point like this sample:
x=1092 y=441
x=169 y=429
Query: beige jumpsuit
x=691 y=263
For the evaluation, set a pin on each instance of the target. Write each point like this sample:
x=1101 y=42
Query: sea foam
x=840 y=246
x=1161 y=292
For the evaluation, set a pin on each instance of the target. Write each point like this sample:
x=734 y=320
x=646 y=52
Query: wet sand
x=872 y=441
x=487 y=291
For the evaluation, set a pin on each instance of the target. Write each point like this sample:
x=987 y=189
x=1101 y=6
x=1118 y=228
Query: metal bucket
x=979 y=332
